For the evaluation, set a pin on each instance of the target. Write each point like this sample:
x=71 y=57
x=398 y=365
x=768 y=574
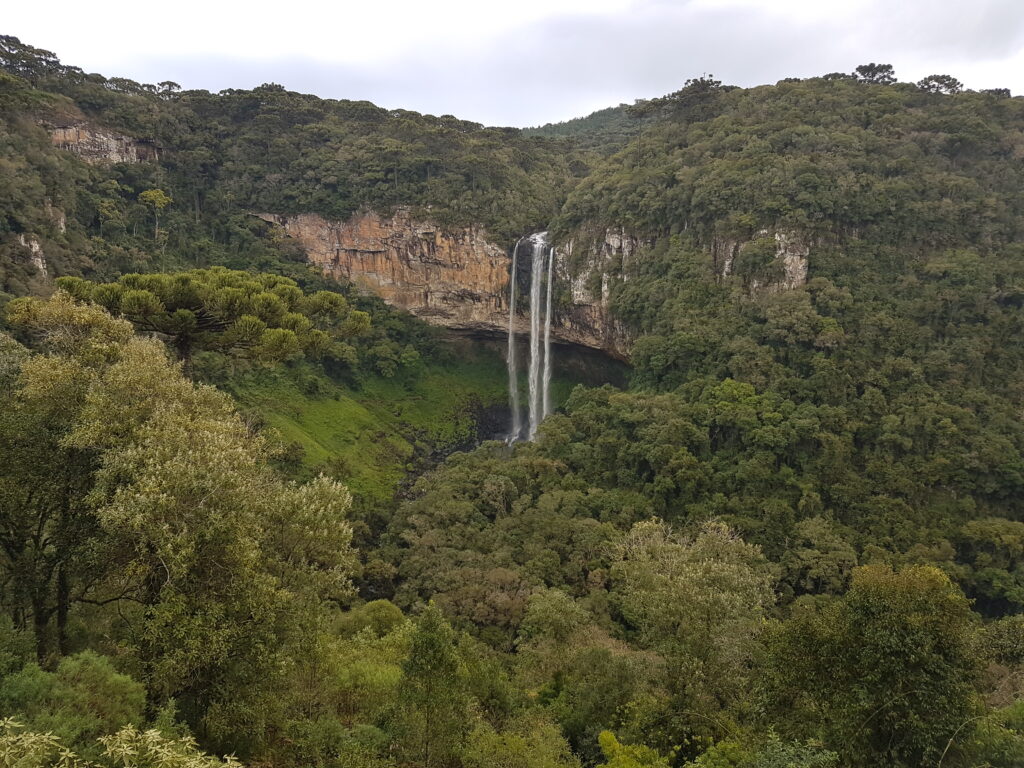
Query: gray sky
x=526 y=62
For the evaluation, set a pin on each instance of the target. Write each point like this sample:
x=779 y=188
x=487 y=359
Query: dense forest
x=245 y=513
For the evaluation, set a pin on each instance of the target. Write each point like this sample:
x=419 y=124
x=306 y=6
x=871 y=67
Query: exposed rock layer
x=456 y=278
x=99 y=145
x=787 y=271
x=459 y=279
x=36 y=255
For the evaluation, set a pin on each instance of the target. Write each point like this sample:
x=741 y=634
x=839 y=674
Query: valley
x=684 y=434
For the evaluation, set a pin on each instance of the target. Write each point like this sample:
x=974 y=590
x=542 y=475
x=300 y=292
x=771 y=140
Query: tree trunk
x=63 y=602
x=40 y=624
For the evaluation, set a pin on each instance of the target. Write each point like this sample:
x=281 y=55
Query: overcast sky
x=525 y=62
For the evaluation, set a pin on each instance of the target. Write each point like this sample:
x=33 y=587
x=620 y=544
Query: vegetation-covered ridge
x=219 y=157
x=835 y=157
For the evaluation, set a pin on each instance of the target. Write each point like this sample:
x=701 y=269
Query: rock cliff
x=459 y=279
x=99 y=145
x=36 y=256
x=589 y=264
x=787 y=270
x=456 y=278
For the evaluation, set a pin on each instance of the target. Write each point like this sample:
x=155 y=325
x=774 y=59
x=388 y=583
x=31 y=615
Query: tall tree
x=156 y=200
x=215 y=565
x=433 y=716
x=885 y=673
x=699 y=601
x=880 y=74
x=940 y=84
x=47 y=529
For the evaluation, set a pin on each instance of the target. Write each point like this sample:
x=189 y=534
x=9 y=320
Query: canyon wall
x=589 y=264
x=30 y=247
x=99 y=145
x=456 y=278
x=788 y=269
x=459 y=279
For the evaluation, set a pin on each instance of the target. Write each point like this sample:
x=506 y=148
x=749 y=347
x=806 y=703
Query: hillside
x=605 y=131
x=223 y=156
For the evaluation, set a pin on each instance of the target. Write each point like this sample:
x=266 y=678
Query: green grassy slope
x=372 y=436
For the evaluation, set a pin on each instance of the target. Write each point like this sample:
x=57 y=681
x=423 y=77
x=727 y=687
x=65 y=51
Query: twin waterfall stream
x=539 y=380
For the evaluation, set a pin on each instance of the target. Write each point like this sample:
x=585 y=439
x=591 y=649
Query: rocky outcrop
x=791 y=260
x=57 y=216
x=723 y=254
x=787 y=270
x=36 y=255
x=590 y=264
x=456 y=278
x=99 y=145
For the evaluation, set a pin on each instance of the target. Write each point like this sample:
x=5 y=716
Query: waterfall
x=547 y=337
x=539 y=394
x=536 y=274
x=513 y=372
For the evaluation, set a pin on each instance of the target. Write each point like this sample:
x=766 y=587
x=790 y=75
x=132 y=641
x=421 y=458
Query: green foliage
x=220 y=157
x=127 y=747
x=377 y=616
x=628 y=755
x=880 y=74
x=996 y=739
x=1004 y=639
x=432 y=717
x=768 y=532
x=371 y=431
x=526 y=743
x=207 y=565
x=778 y=754
x=699 y=602
x=993 y=548
x=724 y=754
x=43 y=482
x=81 y=701
x=552 y=615
x=940 y=84
x=824 y=157
x=155 y=198
x=336 y=697
x=16 y=647
x=885 y=673
x=263 y=316
x=605 y=131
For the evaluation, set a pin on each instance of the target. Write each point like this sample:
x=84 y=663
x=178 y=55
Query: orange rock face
x=455 y=278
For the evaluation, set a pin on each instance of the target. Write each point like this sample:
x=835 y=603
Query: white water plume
x=547 y=337
x=536 y=275
x=539 y=372
x=513 y=372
